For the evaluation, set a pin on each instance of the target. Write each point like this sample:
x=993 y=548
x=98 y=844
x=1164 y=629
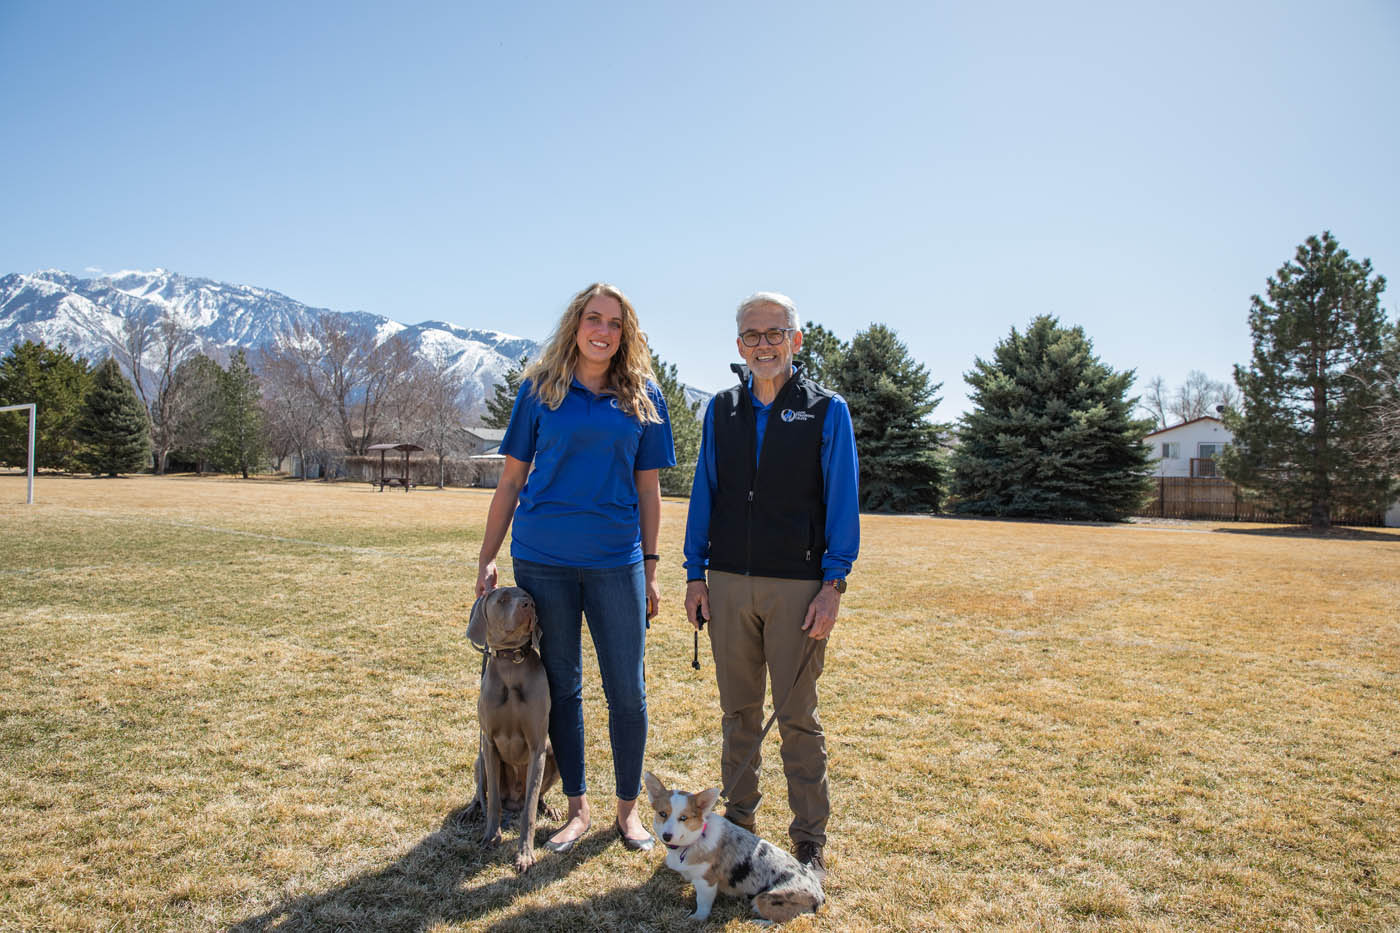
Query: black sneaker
x=810 y=854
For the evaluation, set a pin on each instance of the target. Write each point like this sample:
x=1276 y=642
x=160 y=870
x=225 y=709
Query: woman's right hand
x=485 y=578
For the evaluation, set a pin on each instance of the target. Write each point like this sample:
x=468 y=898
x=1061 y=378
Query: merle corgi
x=715 y=855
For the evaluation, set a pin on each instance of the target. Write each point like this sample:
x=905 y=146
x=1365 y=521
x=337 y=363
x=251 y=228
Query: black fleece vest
x=768 y=519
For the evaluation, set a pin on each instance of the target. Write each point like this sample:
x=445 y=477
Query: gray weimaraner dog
x=515 y=765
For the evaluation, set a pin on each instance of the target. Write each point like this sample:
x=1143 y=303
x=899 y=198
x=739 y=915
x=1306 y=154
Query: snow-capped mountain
x=87 y=316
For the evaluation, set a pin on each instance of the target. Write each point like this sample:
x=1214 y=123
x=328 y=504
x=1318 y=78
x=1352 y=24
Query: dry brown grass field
x=248 y=706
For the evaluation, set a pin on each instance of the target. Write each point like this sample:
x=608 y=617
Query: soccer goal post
x=33 y=417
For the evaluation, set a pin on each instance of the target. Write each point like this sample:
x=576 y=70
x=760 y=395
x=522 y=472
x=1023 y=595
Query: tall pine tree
x=685 y=428
x=56 y=383
x=890 y=398
x=502 y=401
x=820 y=355
x=239 y=427
x=113 y=424
x=1313 y=389
x=1052 y=433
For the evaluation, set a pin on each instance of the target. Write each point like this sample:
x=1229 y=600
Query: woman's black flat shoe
x=644 y=844
x=562 y=847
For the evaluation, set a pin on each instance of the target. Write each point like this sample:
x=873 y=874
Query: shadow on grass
x=1336 y=533
x=431 y=884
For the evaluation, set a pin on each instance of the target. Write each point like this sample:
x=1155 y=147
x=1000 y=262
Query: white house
x=1189 y=448
x=481 y=440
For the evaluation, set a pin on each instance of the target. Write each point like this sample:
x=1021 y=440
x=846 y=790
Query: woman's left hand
x=653 y=598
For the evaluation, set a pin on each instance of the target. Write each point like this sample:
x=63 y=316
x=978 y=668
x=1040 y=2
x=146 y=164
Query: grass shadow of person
x=663 y=902
x=428 y=885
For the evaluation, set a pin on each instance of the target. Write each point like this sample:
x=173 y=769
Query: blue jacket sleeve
x=657 y=449
x=519 y=440
x=702 y=495
x=841 y=475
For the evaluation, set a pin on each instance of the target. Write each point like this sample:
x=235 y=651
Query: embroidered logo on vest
x=790 y=415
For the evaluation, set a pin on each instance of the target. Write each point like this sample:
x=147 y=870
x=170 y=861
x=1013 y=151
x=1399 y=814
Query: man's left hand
x=821 y=615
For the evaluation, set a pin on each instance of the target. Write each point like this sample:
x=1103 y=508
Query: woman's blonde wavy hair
x=628 y=372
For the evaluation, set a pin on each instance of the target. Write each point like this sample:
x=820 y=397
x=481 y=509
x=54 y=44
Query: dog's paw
x=491 y=839
x=699 y=916
x=523 y=861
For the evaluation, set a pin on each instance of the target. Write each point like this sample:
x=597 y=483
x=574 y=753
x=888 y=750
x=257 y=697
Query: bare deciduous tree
x=441 y=418
x=297 y=413
x=170 y=342
x=335 y=379
x=1197 y=397
x=1154 y=400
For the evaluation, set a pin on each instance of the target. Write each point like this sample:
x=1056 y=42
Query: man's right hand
x=697 y=602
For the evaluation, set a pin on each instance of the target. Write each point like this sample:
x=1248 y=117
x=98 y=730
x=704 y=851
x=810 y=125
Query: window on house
x=1211 y=451
x=1171 y=451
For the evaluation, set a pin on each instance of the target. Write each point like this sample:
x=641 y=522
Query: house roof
x=1184 y=424
x=488 y=434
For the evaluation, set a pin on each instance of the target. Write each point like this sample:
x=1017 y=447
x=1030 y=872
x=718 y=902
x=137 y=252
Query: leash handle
x=695 y=658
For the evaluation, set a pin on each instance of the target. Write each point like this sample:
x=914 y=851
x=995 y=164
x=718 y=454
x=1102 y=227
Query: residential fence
x=1213 y=499
x=423 y=469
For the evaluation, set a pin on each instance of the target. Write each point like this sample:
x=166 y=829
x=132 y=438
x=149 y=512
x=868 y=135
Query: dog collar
x=513 y=655
x=685 y=850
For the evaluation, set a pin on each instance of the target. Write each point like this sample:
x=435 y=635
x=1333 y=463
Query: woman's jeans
x=614 y=601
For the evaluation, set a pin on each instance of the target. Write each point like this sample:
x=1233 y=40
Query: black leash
x=768 y=726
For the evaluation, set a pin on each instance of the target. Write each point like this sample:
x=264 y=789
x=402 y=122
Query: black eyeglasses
x=772 y=337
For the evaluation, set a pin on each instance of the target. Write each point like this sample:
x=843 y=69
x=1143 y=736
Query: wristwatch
x=839 y=584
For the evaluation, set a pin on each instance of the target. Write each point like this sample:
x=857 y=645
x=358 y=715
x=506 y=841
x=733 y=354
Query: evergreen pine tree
x=56 y=383
x=194 y=423
x=890 y=399
x=1313 y=389
x=502 y=402
x=1052 y=433
x=820 y=355
x=685 y=428
x=239 y=428
x=113 y=424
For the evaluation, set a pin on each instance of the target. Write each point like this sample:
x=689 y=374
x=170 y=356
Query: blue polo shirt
x=579 y=504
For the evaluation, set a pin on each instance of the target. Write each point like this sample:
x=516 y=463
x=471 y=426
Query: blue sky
x=951 y=170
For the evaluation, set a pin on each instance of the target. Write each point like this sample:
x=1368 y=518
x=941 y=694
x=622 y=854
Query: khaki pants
x=756 y=631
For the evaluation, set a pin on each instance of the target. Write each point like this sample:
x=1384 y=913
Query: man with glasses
x=774 y=524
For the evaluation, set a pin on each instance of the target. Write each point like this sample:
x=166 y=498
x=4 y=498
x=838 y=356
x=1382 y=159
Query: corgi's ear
x=707 y=799
x=655 y=789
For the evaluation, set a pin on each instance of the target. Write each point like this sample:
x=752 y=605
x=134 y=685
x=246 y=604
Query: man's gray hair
x=768 y=298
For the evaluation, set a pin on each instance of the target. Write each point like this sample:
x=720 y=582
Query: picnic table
x=384 y=480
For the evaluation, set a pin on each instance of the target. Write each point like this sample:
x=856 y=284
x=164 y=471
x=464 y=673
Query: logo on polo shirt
x=790 y=415
x=613 y=403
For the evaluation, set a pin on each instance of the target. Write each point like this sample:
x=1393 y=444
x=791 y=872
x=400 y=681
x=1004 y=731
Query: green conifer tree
x=113 y=424
x=502 y=402
x=820 y=355
x=1313 y=390
x=239 y=428
x=685 y=428
x=56 y=383
x=890 y=398
x=1052 y=433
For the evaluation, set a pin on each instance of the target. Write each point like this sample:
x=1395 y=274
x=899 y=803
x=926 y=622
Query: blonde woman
x=591 y=418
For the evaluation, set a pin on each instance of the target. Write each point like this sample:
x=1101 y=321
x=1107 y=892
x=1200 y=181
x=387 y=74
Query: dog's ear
x=655 y=789
x=535 y=630
x=476 y=626
x=707 y=799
